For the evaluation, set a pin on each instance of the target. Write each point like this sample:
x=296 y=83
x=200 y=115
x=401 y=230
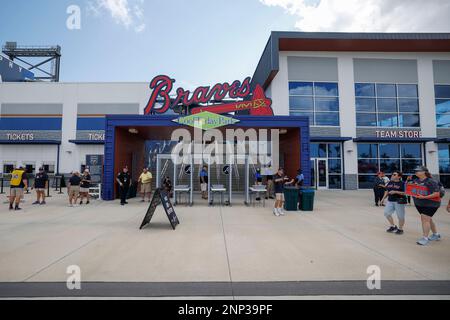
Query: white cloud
x=129 y=13
x=368 y=15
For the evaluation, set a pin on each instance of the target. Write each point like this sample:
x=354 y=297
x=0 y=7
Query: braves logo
x=162 y=85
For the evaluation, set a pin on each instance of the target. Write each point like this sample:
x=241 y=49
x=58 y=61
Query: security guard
x=124 y=181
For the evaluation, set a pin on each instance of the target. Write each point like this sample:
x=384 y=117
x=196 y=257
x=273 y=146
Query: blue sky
x=197 y=42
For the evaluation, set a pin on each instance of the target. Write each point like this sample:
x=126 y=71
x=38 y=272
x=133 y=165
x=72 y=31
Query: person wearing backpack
x=427 y=204
x=396 y=201
x=17 y=184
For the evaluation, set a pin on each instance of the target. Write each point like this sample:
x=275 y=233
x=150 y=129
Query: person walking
x=84 y=186
x=124 y=181
x=379 y=188
x=280 y=180
x=74 y=188
x=396 y=201
x=299 y=179
x=146 y=184
x=258 y=181
x=40 y=185
x=427 y=203
x=18 y=184
x=204 y=182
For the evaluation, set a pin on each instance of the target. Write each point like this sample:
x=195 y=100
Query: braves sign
x=162 y=86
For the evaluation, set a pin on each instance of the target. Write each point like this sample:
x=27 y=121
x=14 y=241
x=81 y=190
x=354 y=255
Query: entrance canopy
x=126 y=137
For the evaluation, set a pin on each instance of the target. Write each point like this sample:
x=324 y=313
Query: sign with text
x=160 y=197
x=407 y=134
x=413 y=189
x=162 y=85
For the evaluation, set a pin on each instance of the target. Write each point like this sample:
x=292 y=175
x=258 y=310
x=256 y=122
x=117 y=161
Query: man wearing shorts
x=17 y=184
x=74 y=188
x=85 y=184
x=279 y=180
x=146 y=184
x=396 y=201
x=40 y=185
x=427 y=204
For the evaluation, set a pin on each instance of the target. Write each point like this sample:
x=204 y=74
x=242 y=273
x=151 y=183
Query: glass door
x=320 y=173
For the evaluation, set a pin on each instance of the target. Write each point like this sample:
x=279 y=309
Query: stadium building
x=375 y=102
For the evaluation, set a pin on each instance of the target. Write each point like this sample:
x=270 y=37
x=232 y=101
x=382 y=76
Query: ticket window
x=30 y=168
x=8 y=167
x=49 y=168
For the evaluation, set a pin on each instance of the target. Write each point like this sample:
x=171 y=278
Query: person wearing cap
x=146 y=184
x=427 y=204
x=74 y=188
x=124 y=181
x=40 y=185
x=17 y=184
x=84 y=186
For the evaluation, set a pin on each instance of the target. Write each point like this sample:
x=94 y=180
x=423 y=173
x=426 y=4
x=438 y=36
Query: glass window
x=444 y=151
x=407 y=90
x=389 y=165
x=366 y=119
x=409 y=165
x=409 y=120
x=387 y=105
x=334 y=165
x=389 y=150
x=365 y=89
x=327 y=119
x=366 y=181
x=442 y=105
x=301 y=88
x=325 y=89
x=442 y=91
x=366 y=150
x=411 y=150
x=335 y=182
x=365 y=104
x=443 y=120
x=444 y=166
x=387 y=120
x=408 y=105
x=8 y=168
x=386 y=90
x=444 y=163
x=327 y=104
x=318 y=150
x=334 y=150
x=445 y=179
x=367 y=165
x=301 y=103
x=318 y=100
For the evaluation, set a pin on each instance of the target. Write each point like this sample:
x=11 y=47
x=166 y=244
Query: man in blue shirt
x=204 y=182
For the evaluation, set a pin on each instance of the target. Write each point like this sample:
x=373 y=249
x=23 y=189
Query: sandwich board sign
x=160 y=196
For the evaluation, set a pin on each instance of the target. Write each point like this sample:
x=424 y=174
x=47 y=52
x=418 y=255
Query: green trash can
x=307 y=199
x=290 y=198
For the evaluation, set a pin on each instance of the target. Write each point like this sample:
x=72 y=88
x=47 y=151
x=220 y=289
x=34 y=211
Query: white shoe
x=281 y=212
x=275 y=212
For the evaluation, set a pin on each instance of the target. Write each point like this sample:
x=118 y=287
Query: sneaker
x=17 y=208
x=275 y=212
x=87 y=202
x=43 y=202
x=399 y=231
x=142 y=200
x=435 y=237
x=281 y=212
x=376 y=204
x=81 y=202
x=392 y=229
x=423 y=241
x=266 y=198
x=11 y=208
x=36 y=202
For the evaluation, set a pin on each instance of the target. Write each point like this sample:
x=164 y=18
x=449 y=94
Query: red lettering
x=161 y=85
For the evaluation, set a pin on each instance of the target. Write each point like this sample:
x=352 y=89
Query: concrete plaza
x=217 y=245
